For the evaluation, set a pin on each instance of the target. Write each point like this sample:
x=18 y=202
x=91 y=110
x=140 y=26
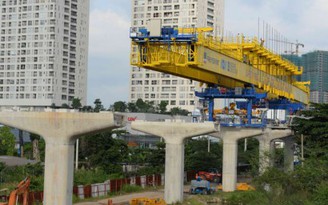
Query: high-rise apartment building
x=155 y=86
x=316 y=70
x=43 y=52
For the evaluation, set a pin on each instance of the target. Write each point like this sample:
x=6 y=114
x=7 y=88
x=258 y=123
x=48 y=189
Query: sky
x=302 y=21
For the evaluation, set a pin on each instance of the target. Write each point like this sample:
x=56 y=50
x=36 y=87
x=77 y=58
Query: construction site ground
x=156 y=193
x=124 y=199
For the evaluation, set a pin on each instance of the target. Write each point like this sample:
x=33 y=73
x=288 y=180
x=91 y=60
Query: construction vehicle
x=201 y=186
x=147 y=201
x=211 y=175
x=21 y=189
x=243 y=66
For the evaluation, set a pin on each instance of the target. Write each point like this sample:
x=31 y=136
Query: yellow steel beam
x=224 y=64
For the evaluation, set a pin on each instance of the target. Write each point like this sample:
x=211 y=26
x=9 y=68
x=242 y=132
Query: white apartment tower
x=155 y=86
x=43 y=52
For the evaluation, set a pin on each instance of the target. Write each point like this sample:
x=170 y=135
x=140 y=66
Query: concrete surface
x=265 y=143
x=174 y=134
x=230 y=137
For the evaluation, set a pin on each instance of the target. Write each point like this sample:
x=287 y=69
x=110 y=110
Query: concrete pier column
x=230 y=137
x=266 y=148
x=229 y=171
x=60 y=130
x=174 y=134
x=289 y=154
x=174 y=172
x=59 y=163
x=265 y=152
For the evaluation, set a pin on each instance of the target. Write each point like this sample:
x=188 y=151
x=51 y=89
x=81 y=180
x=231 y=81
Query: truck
x=201 y=186
x=211 y=175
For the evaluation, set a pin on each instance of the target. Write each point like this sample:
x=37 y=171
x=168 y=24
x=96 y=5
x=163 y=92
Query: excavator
x=21 y=189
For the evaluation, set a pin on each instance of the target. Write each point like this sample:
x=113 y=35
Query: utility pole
x=302 y=148
x=77 y=155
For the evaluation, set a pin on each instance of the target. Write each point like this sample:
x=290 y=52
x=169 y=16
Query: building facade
x=155 y=86
x=43 y=52
x=316 y=70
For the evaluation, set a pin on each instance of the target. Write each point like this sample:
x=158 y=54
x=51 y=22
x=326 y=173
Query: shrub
x=131 y=188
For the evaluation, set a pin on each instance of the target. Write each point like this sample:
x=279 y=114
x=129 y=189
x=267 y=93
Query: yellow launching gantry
x=235 y=62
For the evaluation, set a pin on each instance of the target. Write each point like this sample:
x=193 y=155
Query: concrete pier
x=265 y=143
x=174 y=134
x=289 y=154
x=60 y=130
x=230 y=137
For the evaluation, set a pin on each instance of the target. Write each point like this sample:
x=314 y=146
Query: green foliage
x=320 y=196
x=248 y=197
x=178 y=111
x=152 y=160
x=98 y=105
x=162 y=107
x=311 y=174
x=76 y=103
x=65 y=105
x=145 y=106
x=87 y=108
x=149 y=170
x=131 y=188
x=315 y=130
x=37 y=183
x=132 y=107
x=250 y=156
x=7 y=141
x=103 y=151
x=87 y=177
x=278 y=181
x=14 y=175
x=197 y=156
x=119 y=106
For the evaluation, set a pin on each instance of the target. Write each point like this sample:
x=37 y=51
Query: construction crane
x=232 y=63
x=197 y=56
x=297 y=45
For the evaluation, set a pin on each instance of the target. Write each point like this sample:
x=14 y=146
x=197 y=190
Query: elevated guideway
x=194 y=54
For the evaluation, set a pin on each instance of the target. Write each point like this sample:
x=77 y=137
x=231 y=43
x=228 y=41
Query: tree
x=103 y=151
x=132 y=107
x=147 y=107
x=98 y=105
x=76 y=103
x=178 y=111
x=197 y=156
x=65 y=105
x=87 y=108
x=120 y=106
x=315 y=130
x=7 y=141
x=162 y=107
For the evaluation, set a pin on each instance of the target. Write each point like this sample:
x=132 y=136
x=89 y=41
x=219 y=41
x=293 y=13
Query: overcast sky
x=304 y=21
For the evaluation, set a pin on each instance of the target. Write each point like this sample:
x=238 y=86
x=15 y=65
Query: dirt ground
x=124 y=199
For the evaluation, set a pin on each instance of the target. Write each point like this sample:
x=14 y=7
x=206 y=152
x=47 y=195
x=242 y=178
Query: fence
x=110 y=186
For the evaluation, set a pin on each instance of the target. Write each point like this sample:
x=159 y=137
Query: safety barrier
x=109 y=186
